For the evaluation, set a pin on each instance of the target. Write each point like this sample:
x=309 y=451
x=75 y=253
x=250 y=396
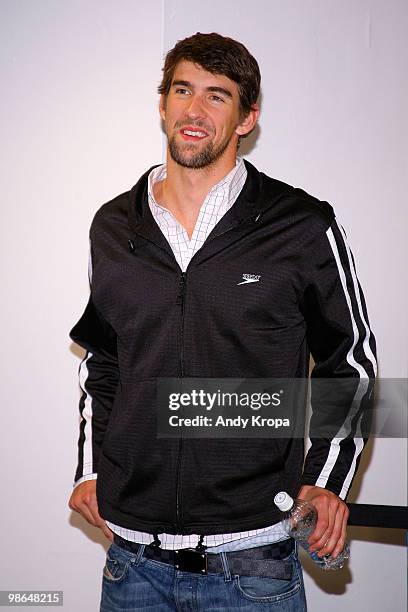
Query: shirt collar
x=225 y=185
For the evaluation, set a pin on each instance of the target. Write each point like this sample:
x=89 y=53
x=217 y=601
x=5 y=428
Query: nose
x=195 y=108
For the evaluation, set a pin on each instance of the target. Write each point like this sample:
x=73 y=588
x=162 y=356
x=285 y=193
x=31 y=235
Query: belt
x=266 y=561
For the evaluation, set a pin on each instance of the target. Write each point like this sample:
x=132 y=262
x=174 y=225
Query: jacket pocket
x=137 y=471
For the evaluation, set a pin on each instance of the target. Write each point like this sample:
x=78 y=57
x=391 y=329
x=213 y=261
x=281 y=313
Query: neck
x=185 y=189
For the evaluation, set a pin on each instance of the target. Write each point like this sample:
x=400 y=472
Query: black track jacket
x=146 y=319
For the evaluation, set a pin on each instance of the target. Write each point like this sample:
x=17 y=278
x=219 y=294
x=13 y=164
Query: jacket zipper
x=178 y=479
x=181 y=301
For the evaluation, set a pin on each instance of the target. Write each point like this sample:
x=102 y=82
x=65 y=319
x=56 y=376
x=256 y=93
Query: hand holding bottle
x=329 y=535
x=300 y=519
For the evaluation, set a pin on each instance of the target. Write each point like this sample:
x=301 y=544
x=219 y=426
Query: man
x=208 y=268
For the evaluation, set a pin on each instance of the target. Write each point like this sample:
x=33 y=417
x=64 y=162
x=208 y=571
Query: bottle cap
x=284 y=501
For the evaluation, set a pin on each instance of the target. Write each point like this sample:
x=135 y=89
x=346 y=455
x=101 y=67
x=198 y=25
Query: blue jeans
x=133 y=583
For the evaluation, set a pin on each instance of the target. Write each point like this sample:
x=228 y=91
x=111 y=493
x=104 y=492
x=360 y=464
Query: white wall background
x=79 y=125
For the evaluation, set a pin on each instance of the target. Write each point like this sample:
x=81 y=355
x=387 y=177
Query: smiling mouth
x=193 y=134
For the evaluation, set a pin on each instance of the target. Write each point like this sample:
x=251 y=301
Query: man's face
x=201 y=116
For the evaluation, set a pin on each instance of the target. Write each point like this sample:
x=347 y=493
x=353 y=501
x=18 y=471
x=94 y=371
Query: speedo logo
x=249 y=278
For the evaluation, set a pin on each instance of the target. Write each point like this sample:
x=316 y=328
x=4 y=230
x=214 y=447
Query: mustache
x=199 y=125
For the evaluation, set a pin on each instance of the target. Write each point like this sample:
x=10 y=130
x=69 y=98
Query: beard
x=208 y=155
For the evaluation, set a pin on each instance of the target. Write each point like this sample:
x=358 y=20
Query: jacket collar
x=254 y=198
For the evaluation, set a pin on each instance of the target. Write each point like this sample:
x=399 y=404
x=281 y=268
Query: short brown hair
x=219 y=55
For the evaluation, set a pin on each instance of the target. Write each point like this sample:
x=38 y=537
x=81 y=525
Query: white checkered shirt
x=219 y=200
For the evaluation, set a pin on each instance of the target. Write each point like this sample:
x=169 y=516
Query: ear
x=248 y=124
x=162 y=106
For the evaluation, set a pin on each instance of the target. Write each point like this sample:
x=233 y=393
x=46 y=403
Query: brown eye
x=217 y=98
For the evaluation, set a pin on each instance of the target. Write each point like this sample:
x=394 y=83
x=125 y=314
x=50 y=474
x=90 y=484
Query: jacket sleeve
x=344 y=350
x=98 y=380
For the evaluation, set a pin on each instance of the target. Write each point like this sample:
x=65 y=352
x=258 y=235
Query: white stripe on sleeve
x=87 y=458
x=335 y=448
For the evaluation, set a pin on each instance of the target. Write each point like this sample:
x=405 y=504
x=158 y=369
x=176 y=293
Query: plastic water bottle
x=299 y=522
